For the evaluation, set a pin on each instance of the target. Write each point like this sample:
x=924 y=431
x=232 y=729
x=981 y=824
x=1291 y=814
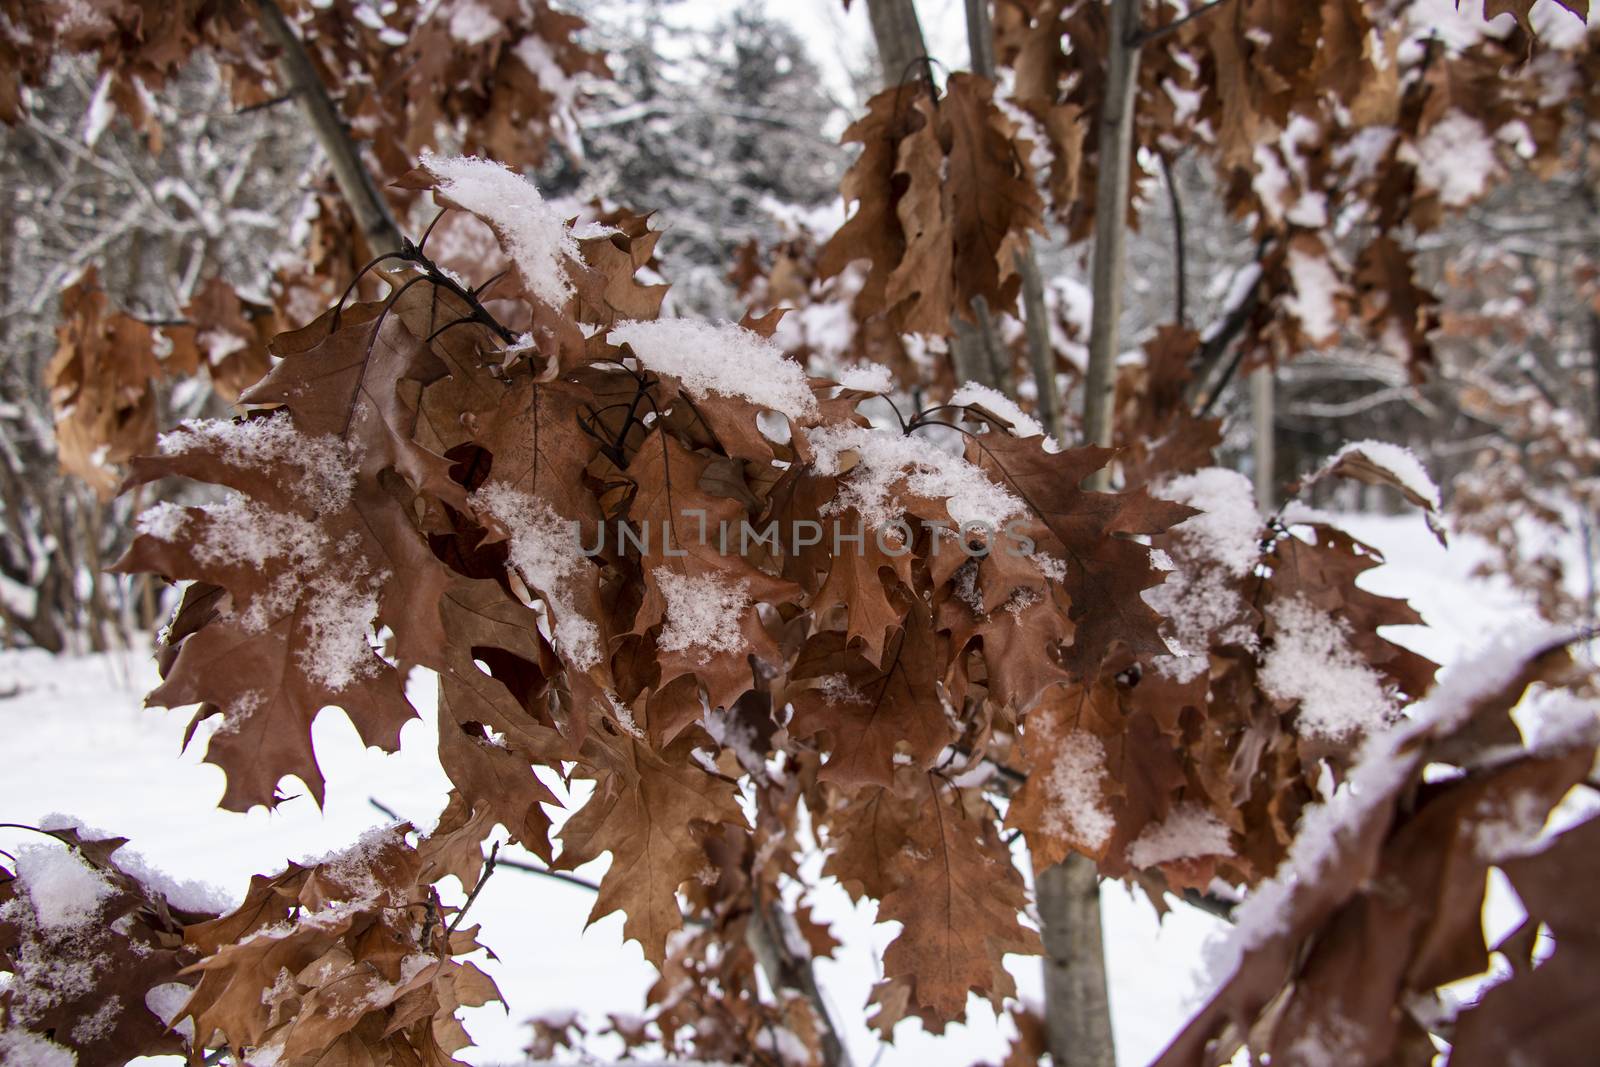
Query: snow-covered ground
x=78 y=742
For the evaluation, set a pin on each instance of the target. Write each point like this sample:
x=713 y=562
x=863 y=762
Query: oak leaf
x=867 y=711
x=957 y=896
x=1089 y=532
x=101 y=380
x=649 y=811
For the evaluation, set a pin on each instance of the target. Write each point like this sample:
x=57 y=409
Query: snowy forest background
x=725 y=119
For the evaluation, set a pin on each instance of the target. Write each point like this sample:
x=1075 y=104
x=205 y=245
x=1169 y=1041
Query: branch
x=488 y=869
x=1182 y=294
x=769 y=934
x=1107 y=264
x=301 y=78
x=1210 y=904
x=1405 y=394
x=509 y=864
x=1216 y=345
x=1155 y=33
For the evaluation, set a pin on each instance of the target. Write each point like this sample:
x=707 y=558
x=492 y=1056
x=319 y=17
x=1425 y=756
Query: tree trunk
x=902 y=53
x=969 y=353
x=1041 y=358
x=1077 y=1006
x=770 y=932
x=1110 y=223
x=1264 y=445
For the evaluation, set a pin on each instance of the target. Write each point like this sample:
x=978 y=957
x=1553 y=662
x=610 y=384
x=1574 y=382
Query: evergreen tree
x=708 y=126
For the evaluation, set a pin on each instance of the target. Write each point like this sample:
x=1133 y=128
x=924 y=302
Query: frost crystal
x=724 y=358
x=1050 y=566
x=241 y=532
x=545 y=551
x=351 y=867
x=100 y=1024
x=336 y=618
x=163 y=521
x=23 y=1048
x=703 y=612
x=886 y=459
x=536 y=237
x=836 y=689
x=1311 y=663
x=337 y=653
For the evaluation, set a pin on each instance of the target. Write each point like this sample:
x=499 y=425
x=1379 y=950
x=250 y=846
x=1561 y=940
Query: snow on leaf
x=1384 y=862
x=725 y=359
x=1316 y=289
x=867 y=377
x=887 y=461
x=1227 y=530
x=545 y=550
x=1455 y=158
x=1022 y=424
x=1189 y=832
x=471 y=23
x=65 y=890
x=704 y=612
x=1382 y=463
x=327 y=463
x=1210 y=553
x=1310 y=664
x=534 y=233
x=1072 y=786
x=23 y=1048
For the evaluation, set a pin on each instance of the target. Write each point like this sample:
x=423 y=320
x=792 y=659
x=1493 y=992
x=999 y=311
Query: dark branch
x=1155 y=33
x=300 y=76
x=1178 y=243
x=488 y=869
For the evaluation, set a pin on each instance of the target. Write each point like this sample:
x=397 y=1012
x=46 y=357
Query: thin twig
x=488 y=869
x=1155 y=33
x=1178 y=244
x=1210 y=904
x=264 y=104
x=546 y=872
x=510 y=864
x=386 y=809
